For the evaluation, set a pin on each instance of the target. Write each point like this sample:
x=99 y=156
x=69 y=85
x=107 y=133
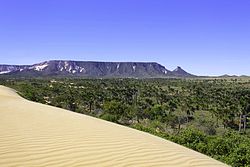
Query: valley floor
x=33 y=134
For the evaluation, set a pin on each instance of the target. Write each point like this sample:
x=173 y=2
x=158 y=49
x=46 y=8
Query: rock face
x=93 y=69
x=4 y=69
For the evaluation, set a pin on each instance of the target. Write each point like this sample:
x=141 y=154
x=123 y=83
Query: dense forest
x=206 y=115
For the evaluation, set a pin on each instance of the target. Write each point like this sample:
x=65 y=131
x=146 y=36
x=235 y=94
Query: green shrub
x=109 y=117
x=240 y=156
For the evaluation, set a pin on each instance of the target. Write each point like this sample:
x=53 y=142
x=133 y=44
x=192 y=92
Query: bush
x=110 y=117
x=191 y=138
x=219 y=146
x=240 y=156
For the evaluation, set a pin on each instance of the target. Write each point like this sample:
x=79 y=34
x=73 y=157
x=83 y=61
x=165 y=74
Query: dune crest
x=34 y=134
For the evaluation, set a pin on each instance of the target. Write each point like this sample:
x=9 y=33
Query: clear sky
x=205 y=37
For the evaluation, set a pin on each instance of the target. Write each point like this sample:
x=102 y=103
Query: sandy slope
x=32 y=134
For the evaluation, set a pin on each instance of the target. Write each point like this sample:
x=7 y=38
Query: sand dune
x=33 y=134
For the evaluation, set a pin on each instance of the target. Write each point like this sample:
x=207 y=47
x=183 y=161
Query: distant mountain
x=93 y=69
x=179 y=72
x=226 y=76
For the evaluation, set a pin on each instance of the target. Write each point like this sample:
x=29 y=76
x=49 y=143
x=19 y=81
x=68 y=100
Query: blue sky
x=205 y=37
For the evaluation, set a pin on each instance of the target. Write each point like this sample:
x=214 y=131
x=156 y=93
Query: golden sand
x=33 y=135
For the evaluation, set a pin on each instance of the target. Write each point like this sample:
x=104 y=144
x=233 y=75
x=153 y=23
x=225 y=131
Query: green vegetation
x=202 y=114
